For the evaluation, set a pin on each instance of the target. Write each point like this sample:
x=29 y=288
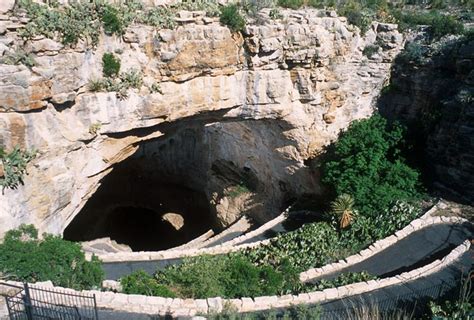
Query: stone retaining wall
x=227 y=247
x=380 y=245
x=236 y=227
x=196 y=242
x=189 y=307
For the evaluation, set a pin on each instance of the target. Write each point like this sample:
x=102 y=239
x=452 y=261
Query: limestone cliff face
x=252 y=106
x=435 y=98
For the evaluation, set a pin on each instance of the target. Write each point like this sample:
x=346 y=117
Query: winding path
x=414 y=249
x=411 y=295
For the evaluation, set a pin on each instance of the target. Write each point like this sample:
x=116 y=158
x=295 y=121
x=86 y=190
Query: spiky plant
x=343 y=208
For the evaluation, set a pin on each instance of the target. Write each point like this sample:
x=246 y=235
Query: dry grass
x=370 y=311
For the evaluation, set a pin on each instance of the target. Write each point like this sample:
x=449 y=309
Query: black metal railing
x=37 y=303
x=415 y=302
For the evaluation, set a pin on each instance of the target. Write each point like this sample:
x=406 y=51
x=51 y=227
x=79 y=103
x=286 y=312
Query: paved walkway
x=411 y=296
x=417 y=248
x=414 y=251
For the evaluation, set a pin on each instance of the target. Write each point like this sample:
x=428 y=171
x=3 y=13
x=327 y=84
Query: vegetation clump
x=140 y=282
x=13 y=165
x=339 y=281
x=110 y=65
x=231 y=17
x=368 y=165
x=25 y=257
x=18 y=57
x=114 y=80
x=292 y=4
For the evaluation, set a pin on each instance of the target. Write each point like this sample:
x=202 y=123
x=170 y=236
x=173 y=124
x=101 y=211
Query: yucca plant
x=343 y=208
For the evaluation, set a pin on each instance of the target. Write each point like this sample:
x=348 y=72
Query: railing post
x=95 y=309
x=27 y=301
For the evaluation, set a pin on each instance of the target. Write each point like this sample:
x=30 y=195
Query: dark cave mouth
x=181 y=179
x=142 y=211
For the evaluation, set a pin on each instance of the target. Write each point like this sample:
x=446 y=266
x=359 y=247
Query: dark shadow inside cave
x=139 y=206
x=176 y=187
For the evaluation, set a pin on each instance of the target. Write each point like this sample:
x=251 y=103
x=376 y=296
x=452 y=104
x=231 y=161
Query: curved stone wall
x=188 y=307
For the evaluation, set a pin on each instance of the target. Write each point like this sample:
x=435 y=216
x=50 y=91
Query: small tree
x=24 y=257
x=110 y=65
x=367 y=164
x=231 y=17
x=343 y=208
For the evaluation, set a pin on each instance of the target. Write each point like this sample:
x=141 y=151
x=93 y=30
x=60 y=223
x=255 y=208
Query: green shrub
x=461 y=307
x=26 y=258
x=341 y=280
x=132 y=79
x=439 y=24
x=367 y=165
x=14 y=166
x=413 y=52
x=140 y=282
x=18 y=57
x=312 y=245
x=211 y=7
x=79 y=20
x=370 y=50
x=317 y=3
x=357 y=15
x=442 y=25
x=275 y=14
x=111 y=20
x=292 y=4
x=231 y=17
x=161 y=17
x=230 y=276
x=110 y=65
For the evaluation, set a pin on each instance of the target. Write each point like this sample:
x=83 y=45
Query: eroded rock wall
x=275 y=96
x=434 y=97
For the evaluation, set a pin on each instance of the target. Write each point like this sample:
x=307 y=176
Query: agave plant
x=343 y=208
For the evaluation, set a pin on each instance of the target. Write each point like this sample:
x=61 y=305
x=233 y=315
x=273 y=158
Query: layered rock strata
x=265 y=100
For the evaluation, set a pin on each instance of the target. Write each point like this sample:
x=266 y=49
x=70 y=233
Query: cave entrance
x=137 y=204
x=177 y=187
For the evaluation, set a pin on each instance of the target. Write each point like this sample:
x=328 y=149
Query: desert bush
x=439 y=24
x=24 y=257
x=357 y=15
x=95 y=85
x=14 y=166
x=230 y=276
x=132 y=79
x=79 y=20
x=161 y=17
x=367 y=164
x=312 y=245
x=18 y=57
x=292 y=4
x=413 y=52
x=370 y=50
x=231 y=17
x=113 y=24
x=211 y=7
x=110 y=65
x=140 y=282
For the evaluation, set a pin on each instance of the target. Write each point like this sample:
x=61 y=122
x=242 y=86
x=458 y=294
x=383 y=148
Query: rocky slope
x=434 y=97
x=231 y=108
